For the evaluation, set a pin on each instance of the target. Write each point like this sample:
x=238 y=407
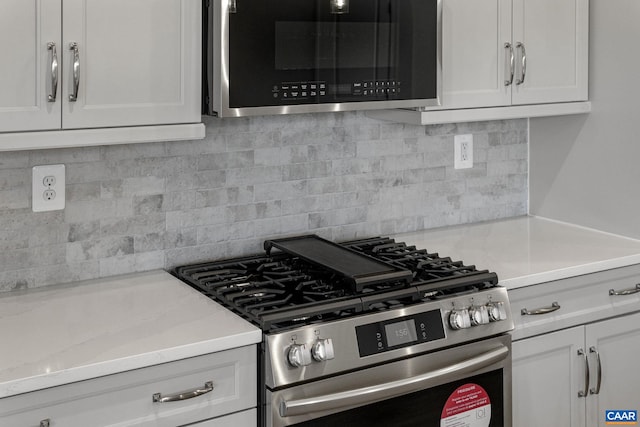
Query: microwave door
x=286 y=56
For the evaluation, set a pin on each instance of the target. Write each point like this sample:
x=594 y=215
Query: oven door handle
x=371 y=394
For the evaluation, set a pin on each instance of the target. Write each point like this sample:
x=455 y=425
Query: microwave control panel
x=321 y=91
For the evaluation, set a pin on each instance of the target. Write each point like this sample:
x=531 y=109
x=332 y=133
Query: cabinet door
x=548 y=373
x=555 y=38
x=617 y=342
x=474 y=33
x=139 y=62
x=26 y=29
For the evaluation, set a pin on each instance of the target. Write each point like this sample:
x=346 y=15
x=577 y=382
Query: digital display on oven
x=401 y=332
x=378 y=337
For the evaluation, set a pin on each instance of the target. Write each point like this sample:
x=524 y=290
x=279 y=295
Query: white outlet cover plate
x=458 y=161
x=38 y=187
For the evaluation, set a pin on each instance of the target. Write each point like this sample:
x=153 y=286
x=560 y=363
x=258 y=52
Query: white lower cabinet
x=617 y=342
x=576 y=359
x=130 y=398
x=546 y=379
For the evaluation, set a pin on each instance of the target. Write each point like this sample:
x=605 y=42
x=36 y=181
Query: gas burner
x=283 y=290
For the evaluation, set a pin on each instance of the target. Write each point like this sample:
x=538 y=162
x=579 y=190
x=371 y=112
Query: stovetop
x=280 y=291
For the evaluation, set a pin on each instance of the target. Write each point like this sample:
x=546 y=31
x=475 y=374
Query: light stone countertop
x=529 y=250
x=63 y=334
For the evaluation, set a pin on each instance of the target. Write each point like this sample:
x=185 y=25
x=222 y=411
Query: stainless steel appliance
x=371 y=333
x=298 y=56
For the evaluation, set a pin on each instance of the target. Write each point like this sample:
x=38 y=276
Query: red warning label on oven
x=468 y=406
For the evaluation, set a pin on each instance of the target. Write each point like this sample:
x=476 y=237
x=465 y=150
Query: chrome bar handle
x=45 y=423
x=375 y=393
x=54 y=72
x=523 y=65
x=599 y=380
x=208 y=387
x=625 y=291
x=585 y=392
x=511 y=61
x=544 y=310
x=73 y=97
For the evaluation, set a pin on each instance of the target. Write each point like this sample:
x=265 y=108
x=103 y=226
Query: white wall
x=585 y=169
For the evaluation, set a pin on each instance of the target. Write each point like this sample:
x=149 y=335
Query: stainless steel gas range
x=371 y=332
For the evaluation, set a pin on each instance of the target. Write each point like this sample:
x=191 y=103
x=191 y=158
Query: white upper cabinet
x=555 y=36
x=139 y=62
x=30 y=32
x=473 y=60
x=542 y=43
x=86 y=64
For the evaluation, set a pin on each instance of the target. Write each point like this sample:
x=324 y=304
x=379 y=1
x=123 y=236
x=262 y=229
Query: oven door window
x=327 y=51
x=459 y=404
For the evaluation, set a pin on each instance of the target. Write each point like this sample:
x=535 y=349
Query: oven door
x=465 y=386
x=286 y=56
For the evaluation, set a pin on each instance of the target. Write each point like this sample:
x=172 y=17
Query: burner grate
x=281 y=290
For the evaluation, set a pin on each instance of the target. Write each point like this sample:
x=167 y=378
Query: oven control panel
x=328 y=348
x=391 y=334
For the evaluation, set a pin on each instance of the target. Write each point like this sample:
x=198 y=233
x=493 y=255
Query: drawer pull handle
x=45 y=423
x=208 y=387
x=554 y=306
x=625 y=291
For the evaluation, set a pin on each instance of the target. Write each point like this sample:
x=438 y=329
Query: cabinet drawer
x=126 y=399
x=248 y=418
x=581 y=299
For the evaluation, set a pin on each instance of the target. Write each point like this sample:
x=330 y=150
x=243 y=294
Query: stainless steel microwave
x=299 y=56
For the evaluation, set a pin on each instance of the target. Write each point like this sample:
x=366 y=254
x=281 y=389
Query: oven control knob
x=322 y=350
x=479 y=315
x=459 y=319
x=298 y=355
x=496 y=311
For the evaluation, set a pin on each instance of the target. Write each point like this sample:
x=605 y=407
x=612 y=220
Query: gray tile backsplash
x=342 y=176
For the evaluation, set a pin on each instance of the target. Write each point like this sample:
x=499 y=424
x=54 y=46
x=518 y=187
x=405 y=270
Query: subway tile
x=133 y=225
x=14 y=160
x=181 y=238
x=306 y=170
x=280 y=190
x=132 y=186
x=149 y=242
x=83 y=231
x=212 y=143
x=145 y=205
x=234 y=159
x=260 y=210
x=64 y=155
x=15 y=179
x=83 y=191
x=15 y=199
x=65 y=273
x=15 y=280
x=132 y=151
x=339 y=175
x=196 y=217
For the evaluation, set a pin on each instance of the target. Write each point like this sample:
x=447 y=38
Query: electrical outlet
x=463 y=151
x=48 y=188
